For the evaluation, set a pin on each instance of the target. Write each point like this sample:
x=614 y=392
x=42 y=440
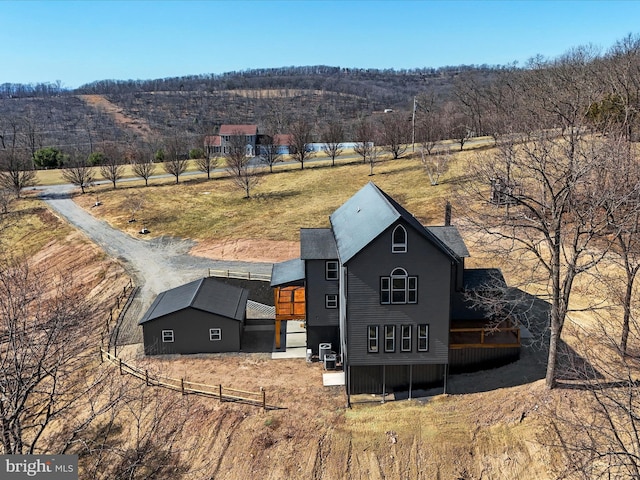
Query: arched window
x=399 y=240
x=399 y=287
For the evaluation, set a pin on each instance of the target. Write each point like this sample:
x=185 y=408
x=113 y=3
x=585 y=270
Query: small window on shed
x=167 y=336
x=215 y=334
x=399 y=240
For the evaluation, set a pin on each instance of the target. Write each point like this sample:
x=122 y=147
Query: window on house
x=215 y=334
x=389 y=338
x=399 y=240
x=405 y=338
x=331 y=271
x=372 y=339
x=167 y=336
x=399 y=288
x=423 y=338
x=331 y=301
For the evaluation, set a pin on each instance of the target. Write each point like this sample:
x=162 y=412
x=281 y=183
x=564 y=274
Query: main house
x=391 y=296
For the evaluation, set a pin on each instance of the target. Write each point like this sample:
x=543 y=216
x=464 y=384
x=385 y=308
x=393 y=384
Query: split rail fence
x=265 y=277
x=224 y=394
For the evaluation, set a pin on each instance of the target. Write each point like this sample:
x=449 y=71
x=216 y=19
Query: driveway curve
x=155 y=264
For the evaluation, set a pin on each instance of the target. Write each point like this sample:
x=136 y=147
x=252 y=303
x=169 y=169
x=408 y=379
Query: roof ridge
x=197 y=291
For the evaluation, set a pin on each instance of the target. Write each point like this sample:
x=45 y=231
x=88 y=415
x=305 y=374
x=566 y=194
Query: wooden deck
x=467 y=334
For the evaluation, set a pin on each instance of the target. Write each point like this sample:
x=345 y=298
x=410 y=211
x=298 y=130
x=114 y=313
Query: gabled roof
x=241 y=129
x=450 y=236
x=317 y=244
x=287 y=272
x=369 y=213
x=212 y=141
x=206 y=294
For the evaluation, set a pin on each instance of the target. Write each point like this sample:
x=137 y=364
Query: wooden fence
x=265 y=277
x=224 y=394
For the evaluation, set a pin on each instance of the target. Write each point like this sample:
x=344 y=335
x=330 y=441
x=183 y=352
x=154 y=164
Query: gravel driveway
x=155 y=265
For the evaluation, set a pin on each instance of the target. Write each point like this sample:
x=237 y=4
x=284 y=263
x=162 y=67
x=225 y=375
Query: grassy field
x=280 y=204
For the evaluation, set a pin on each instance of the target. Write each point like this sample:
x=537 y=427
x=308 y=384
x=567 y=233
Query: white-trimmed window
x=331 y=270
x=423 y=338
x=389 y=338
x=372 y=338
x=398 y=288
x=167 y=336
x=331 y=300
x=405 y=338
x=399 y=240
x=215 y=334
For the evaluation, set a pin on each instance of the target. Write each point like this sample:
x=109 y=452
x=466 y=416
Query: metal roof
x=287 y=272
x=206 y=294
x=369 y=213
x=317 y=244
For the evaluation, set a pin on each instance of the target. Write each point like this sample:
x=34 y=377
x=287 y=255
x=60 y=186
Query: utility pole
x=413 y=125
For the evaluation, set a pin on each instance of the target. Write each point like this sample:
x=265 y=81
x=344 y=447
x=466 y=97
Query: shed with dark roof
x=204 y=316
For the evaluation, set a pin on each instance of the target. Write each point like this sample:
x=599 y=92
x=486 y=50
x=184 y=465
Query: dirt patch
x=99 y=102
x=248 y=250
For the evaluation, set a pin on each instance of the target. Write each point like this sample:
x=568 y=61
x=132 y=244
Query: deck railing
x=504 y=337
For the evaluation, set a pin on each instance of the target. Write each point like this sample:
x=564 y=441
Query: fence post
x=120 y=365
x=101 y=359
x=182 y=385
x=264 y=399
x=146 y=377
x=220 y=392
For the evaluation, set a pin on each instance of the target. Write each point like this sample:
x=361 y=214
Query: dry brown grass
x=283 y=202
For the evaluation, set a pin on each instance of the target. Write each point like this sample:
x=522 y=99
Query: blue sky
x=78 y=42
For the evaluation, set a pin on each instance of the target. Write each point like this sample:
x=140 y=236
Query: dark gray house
x=204 y=316
x=388 y=293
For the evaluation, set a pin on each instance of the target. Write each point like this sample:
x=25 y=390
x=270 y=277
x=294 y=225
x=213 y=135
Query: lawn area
x=280 y=204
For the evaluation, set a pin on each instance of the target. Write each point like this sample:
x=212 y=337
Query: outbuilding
x=203 y=316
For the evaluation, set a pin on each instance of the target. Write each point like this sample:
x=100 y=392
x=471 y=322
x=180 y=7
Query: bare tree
x=332 y=138
x=238 y=164
x=270 y=149
x=144 y=168
x=301 y=139
x=208 y=163
x=16 y=168
x=78 y=172
x=395 y=133
x=365 y=139
x=177 y=159
x=112 y=166
x=43 y=352
x=598 y=431
x=429 y=128
x=435 y=165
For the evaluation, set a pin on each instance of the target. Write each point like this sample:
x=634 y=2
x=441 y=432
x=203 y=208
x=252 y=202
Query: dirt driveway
x=155 y=265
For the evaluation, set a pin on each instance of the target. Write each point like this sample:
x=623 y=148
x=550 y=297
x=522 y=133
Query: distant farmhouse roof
x=367 y=214
x=212 y=141
x=238 y=129
x=206 y=294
